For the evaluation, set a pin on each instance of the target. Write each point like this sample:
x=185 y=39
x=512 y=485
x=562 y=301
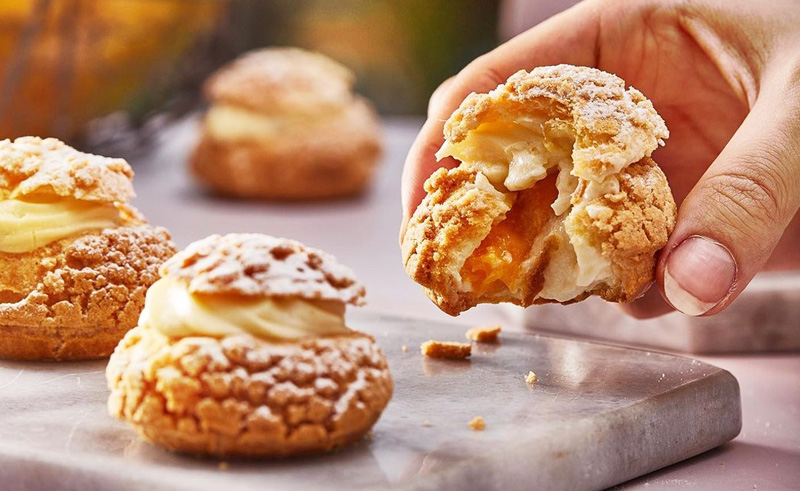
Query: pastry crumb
x=442 y=349
x=426 y=423
x=530 y=378
x=223 y=466
x=405 y=349
x=484 y=334
x=477 y=423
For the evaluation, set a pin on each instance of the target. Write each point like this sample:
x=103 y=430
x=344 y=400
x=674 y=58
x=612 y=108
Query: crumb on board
x=530 y=378
x=426 y=423
x=222 y=466
x=441 y=349
x=405 y=349
x=477 y=423
x=484 y=334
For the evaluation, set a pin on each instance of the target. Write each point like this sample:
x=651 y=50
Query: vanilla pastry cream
x=515 y=156
x=231 y=123
x=176 y=312
x=28 y=225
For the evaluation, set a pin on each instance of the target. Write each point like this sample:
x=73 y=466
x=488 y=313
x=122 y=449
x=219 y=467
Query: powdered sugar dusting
x=275 y=80
x=31 y=165
x=261 y=265
x=613 y=126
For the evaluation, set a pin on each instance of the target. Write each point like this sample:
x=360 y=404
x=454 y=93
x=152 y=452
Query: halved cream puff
x=556 y=197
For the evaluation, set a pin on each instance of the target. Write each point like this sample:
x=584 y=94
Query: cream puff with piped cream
x=284 y=124
x=75 y=258
x=555 y=198
x=242 y=349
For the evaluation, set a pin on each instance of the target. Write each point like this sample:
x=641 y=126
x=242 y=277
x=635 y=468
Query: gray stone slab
x=765 y=317
x=597 y=416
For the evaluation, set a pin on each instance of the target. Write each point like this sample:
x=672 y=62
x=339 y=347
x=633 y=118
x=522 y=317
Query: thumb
x=733 y=218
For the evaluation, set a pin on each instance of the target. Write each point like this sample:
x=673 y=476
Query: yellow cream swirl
x=231 y=123
x=176 y=312
x=27 y=225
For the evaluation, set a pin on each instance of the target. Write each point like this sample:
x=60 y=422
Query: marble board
x=763 y=318
x=597 y=416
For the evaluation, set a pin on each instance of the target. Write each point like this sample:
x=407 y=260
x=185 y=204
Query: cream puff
x=284 y=124
x=75 y=258
x=243 y=350
x=555 y=198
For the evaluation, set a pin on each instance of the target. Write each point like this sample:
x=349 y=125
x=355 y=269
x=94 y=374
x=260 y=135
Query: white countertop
x=363 y=233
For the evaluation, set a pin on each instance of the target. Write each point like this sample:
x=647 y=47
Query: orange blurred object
x=66 y=62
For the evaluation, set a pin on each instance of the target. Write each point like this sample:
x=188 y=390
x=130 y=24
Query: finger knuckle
x=752 y=195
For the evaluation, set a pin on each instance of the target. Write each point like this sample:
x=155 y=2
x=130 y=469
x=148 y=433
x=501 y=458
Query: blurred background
x=103 y=74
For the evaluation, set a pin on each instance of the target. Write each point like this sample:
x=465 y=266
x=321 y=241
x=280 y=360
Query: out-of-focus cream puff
x=284 y=124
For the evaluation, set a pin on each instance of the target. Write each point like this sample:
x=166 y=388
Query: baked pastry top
x=278 y=80
x=556 y=197
x=261 y=265
x=285 y=124
x=31 y=166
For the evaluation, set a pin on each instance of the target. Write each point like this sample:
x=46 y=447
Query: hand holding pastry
x=723 y=76
x=556 y=197
x=242 y=349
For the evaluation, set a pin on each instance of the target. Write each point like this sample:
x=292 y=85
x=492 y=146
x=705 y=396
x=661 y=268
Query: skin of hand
x=725 y=76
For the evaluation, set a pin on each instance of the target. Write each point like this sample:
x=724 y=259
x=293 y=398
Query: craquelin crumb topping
x=31 y=166
x=613 y=126
x=276 y=80
x=261 y=265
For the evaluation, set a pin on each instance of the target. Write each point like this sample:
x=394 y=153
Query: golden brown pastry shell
x=74 y=299
x=242 y=396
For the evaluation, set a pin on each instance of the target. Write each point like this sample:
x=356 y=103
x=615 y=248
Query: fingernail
x=699 y=274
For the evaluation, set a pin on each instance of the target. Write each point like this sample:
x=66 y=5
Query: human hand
x=725 y=76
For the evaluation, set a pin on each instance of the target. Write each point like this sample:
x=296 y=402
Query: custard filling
x=176 y=312
x=531 y=158
x=28 y=225
x=232 y=123
x=496 y=263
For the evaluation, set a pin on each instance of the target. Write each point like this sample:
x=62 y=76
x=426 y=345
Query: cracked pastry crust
x=274 y=80
x=260 y=265
x=31 y=166
x=556 y=197
x=318 y=140
x=240 y=396
x=74 y=299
